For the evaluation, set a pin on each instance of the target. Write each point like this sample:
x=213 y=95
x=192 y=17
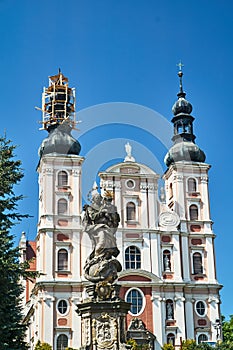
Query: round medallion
x=169 y=219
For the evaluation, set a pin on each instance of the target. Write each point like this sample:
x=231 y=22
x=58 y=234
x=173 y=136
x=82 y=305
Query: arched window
x=197 y=263
x=62 y=206
x=130 y=211
x=132 y=258
x=192 y=185
x=171 y=339
x=62 y=260
x=166 y=260
x=169 y=310
x=135 y=297
x=200 y=308
x=62 y=178
x=202 y=338
x=62 y=342
x=193 y=212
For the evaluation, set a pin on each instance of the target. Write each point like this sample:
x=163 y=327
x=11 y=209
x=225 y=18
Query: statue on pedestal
x=103 y=312
x=100 y=223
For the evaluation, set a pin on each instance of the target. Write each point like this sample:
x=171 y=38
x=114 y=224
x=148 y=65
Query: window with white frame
x=193 y=212
x=62 y=178
x=62 y=342
x=137 y=300
x=192 y=185
x=197 y=263
x=130 y=211
x=62 y=306
x=62 y=259
x=62 y=206
x=132 y=258
x=200 y=308
x=202 y=338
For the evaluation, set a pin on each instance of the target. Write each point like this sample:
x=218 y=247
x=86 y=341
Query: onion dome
x=59 y=141
x=184 y=150
x=182 y=106
x=184 y=147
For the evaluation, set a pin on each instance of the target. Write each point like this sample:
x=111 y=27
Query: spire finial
x=180 y=75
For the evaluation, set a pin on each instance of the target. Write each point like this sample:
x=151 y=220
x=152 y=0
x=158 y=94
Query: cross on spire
x=180 y=65
x=180 y=74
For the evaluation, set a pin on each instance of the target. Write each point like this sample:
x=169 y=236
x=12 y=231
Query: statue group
x=100 y=222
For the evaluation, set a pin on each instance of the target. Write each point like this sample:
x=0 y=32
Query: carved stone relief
x=169 y=219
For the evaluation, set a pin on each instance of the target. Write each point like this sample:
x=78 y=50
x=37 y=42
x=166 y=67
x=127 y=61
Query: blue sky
x=124 y=51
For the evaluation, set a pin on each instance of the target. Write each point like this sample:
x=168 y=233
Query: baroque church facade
x=166 y=240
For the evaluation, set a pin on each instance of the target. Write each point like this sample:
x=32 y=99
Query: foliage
x=11 y=329
x=42 y=346
x=168 y=347
x=189 y=344
x=134 y=345
x=132 y=342
x=227 y=330
x=226 y=344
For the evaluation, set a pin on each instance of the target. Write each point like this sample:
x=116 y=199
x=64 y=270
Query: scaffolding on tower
x=58 y=103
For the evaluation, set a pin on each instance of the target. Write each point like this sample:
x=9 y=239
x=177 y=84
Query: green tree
x=12 y=330
x=168 y=347
x=189 y=344
x=227 y=330
x=42 y=346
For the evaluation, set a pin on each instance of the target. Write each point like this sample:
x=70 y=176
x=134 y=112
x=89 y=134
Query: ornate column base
x=103 y=318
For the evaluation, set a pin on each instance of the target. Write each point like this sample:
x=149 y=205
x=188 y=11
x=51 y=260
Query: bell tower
x=59 y=226
x=187 y=194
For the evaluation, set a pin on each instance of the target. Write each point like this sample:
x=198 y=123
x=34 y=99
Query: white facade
x=166 y=245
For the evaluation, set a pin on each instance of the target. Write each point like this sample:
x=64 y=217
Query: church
x=165 y=238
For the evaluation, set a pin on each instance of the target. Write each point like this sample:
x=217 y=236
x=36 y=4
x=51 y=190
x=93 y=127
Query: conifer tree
x=12 y=330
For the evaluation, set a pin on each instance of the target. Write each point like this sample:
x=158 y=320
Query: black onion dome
x=182 y=106
x=60 y=141
x=184 y=151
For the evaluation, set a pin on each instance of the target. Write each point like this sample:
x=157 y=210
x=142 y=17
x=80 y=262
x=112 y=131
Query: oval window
x=136 y=298
x=200 y=308
x=62 y=307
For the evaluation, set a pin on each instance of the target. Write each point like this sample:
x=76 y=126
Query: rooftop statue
x=129 y=157
x=100 y=222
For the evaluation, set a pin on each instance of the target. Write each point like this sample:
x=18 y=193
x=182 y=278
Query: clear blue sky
x=124 y=51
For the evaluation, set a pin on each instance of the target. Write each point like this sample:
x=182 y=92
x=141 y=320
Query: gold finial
x=180 y=65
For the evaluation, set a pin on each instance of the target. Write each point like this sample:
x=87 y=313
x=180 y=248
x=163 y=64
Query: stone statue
x=167 y=263
x=100 y=223
x=129 y=157
x=128 y=149
x=169 y=311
